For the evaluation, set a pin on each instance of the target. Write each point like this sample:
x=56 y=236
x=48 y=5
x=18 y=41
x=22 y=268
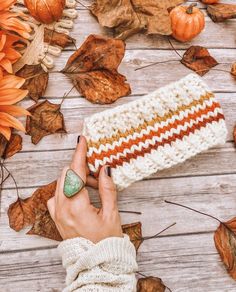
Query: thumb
x=107 y=190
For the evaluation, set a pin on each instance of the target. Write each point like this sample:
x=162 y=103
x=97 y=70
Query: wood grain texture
x=185 y=256
x=185 y=263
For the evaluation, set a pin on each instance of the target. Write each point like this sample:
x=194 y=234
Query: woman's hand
x=76 y=216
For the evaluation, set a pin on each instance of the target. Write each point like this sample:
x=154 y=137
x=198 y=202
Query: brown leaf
x=13 y=146
x=221 y=12
x=150 y=284
x=198 y=59
x=46 y=119
x=225 y=242
x=45 y=226
x=36 y=80
x=134 y=230
x=233 y=70
x=93 y=69
x=53 y=37
x=23 y=212
x=3 y=144
x=129 y=17
x=234 y=134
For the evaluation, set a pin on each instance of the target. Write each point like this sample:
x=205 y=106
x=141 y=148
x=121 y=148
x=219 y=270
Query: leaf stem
x=130 y=212
x=156 y=235
x=172 y=46
x=156 y=63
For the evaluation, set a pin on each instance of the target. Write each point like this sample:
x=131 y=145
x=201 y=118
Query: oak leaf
x=53 y=37
x=36 y=80
x=128 y=17
x=220 y=12
x=45 y=119
x=225 y=242
x=93 y=69
x=198 y=59
x=150 y=284
x=134 y=231
x=22 y=213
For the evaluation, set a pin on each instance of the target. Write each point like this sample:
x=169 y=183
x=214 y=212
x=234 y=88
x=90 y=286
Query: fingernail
x=78 y=139
x=108 y=171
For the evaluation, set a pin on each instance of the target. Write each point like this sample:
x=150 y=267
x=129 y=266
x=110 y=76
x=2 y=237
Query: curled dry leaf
x=53 y=37
x=36 y=80
x=225 y=242
x=45 y=119
x=129 y=17
x=150 y=284
x=221 y=12
x=22 y=213
x=93 y=69
x=198 y=59
x=234 y=134
x=233 y=70
x=3 y=144
x=134 y=231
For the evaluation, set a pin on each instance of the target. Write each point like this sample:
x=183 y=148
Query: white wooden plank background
x=185 y=256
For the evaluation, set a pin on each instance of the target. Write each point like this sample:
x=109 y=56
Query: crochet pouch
x=155 y=132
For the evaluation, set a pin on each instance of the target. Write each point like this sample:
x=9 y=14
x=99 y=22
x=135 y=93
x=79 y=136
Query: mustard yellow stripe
x=156 y=119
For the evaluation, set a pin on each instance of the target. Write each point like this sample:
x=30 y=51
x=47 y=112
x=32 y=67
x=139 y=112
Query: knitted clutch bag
x=155 y=132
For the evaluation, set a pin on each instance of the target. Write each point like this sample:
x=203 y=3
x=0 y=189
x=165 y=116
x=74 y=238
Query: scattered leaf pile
x=220 y=12
x=128 y=17
x=198 y=59
x=45 y=119
x=93 y=69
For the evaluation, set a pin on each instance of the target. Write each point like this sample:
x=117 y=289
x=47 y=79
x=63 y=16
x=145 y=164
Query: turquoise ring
x=73 y=183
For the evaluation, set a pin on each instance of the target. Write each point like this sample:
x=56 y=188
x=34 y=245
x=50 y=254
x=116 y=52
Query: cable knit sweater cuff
x=114 y=254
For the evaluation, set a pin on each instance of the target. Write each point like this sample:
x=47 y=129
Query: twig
x=156 y=63
x=156 y=235
x=130 y=212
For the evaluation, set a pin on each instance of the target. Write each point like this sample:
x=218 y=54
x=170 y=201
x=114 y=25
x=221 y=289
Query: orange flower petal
x=14 y=110
x=6 y=64
x=2 y=41
x=11 y=81
x=7 y=120
x=5 y=4
x=11 y=96
x=6 y=132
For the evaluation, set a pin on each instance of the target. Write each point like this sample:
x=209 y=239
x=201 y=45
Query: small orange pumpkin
x=45 y=11
x=209 y=1
x=187 y=22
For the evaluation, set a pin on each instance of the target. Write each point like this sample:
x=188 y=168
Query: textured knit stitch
x=109 y=265
x=155 y=132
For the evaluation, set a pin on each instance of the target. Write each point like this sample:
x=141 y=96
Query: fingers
x=51 y=207
x=92 y=182
x=107 y=191
x=78 y=163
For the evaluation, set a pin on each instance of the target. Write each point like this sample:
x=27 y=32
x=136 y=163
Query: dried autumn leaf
x=233 y=70
x=3 y=144
x=23 y=212
x=36 y=80
x=198 y=59
x=129 y=17
x=93 y=69
x=225 y=242
x=44 y=226
x=134 y=231
x=221 y=12
x=234 y=134
x=45 y=119
x=13 y=146
x=53 y=37
x=150 y=284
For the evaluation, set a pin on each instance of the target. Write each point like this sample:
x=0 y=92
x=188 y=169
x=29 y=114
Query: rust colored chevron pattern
x=155 y=132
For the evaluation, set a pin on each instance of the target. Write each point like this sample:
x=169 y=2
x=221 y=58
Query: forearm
x=111 y=263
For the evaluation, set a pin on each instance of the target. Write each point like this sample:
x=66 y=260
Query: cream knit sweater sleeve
x=109 y=265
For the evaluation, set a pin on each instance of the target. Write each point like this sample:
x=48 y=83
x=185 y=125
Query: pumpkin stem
x=190 y=8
